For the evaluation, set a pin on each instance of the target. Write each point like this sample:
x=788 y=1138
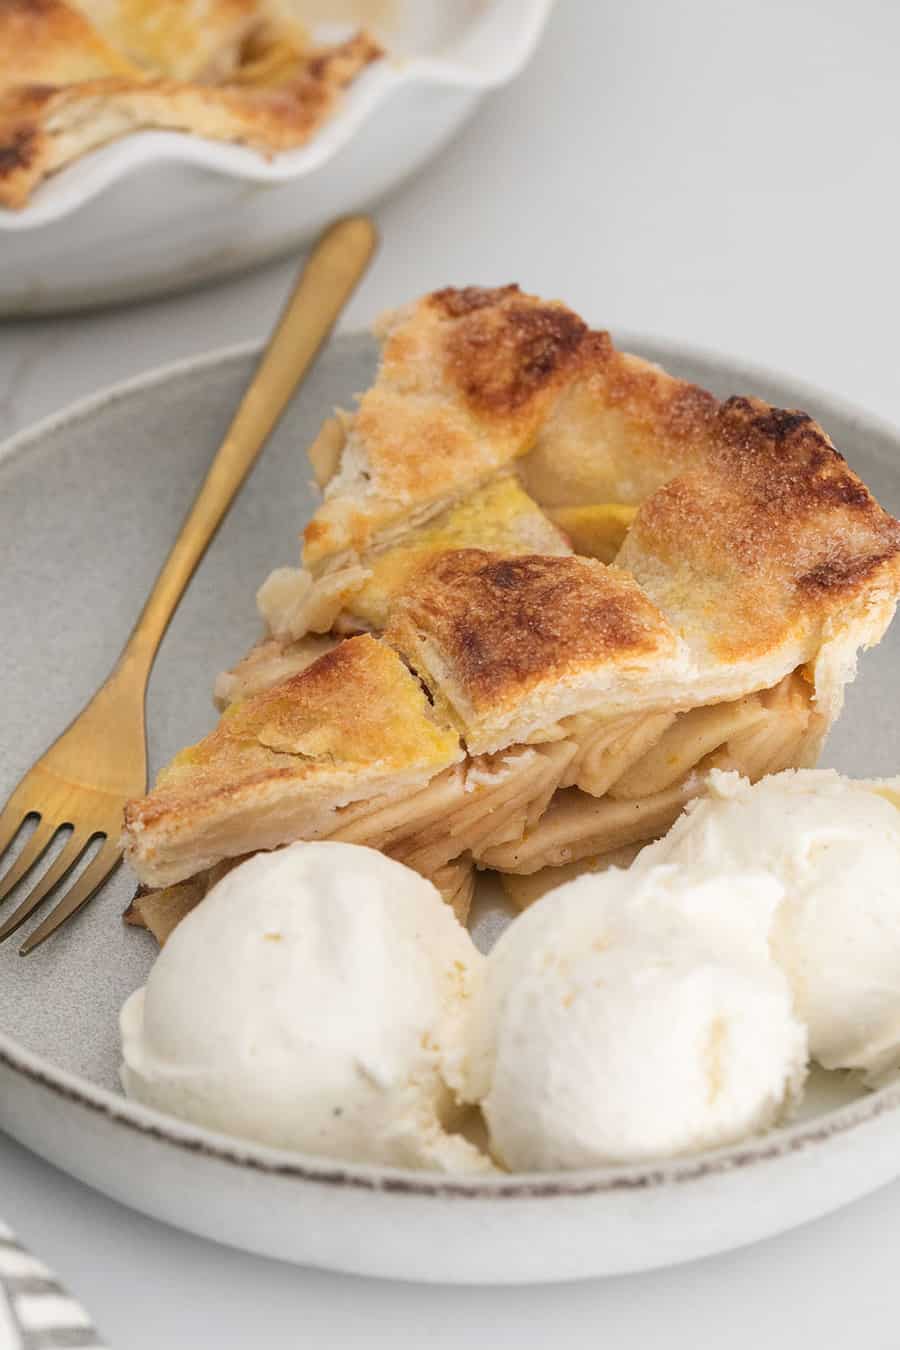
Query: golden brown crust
x=466 y=379
x=754 y=552
x=355 y=707
x=622 y=429
x=488 y=632
x=499 y=517
x=457 y=301
x=769 y=537
x=281 y=761
x=507 y=353
x=470 y=377
x=74 y=91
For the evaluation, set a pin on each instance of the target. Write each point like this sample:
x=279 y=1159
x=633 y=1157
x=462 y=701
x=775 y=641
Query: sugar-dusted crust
x=510 y=644
x=74 y=89
x=621 y=430
x=769 y=540
x=280 y=763
x=754 y=566
x=499 y=517
x=466 y=380
x=355 y=593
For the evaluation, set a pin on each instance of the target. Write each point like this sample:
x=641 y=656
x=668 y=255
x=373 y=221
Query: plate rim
x=307 y=1168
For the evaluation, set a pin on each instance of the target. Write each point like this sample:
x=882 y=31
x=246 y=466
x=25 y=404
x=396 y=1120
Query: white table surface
x=713 y=170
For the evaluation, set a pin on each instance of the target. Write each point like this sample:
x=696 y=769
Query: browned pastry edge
x=768 y=536
x=43 y=127
x=503 y=626
x=466 y=379
x=755 y=543
x=509 y=349
x=355 y=710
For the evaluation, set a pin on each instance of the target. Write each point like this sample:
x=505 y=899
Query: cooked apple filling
x=593 y=790
x=762 y=733
x=596 y=789
x=576 y=584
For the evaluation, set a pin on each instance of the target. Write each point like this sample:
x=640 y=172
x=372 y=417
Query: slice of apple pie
x=448 y=678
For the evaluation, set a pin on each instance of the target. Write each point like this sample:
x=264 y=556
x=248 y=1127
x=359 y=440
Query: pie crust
x=513 y=704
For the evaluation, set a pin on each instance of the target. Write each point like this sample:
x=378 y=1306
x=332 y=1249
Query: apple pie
x=76 y=74
x=452 y=677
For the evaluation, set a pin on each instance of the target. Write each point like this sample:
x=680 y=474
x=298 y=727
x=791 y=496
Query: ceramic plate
x=89 y=503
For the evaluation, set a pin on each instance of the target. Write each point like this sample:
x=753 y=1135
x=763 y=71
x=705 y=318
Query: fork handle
x=326 y=282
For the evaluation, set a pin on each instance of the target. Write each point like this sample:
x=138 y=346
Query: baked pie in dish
x=76 y=74
x=458 y=674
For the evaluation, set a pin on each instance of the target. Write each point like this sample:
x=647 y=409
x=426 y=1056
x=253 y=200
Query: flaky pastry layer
x=563 y=708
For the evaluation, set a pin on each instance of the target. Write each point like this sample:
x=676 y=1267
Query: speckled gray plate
x=89 y=503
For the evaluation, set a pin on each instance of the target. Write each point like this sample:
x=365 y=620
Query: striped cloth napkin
x=36 y=1313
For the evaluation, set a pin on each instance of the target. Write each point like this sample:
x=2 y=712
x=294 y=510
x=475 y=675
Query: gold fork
x=100 y=761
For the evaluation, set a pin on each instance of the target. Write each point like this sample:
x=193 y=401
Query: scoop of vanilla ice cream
x=314 y=1001
x=611 y=1027
x=834 y=845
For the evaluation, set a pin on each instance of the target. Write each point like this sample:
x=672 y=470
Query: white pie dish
x=143 y=447
x=159 y=211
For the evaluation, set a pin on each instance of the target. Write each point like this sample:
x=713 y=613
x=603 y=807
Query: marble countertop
x=717 y=172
